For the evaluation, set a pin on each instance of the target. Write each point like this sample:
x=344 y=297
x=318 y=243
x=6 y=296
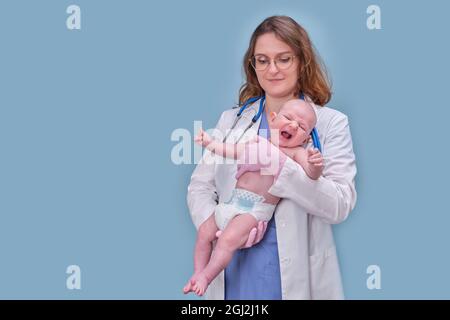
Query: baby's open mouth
x=286 y=134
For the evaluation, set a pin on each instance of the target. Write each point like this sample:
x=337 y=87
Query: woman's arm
x=333 y=195
x=201 y=195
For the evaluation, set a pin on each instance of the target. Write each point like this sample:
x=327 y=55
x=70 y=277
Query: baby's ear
x=272 y=115
x=307 y=140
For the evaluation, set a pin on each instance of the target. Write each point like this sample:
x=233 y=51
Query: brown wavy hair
x=313 y=79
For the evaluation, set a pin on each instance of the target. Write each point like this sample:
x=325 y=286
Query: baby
x=251 y=202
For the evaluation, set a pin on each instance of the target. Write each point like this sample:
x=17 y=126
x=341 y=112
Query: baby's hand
x=202 y=138
x=315 y=161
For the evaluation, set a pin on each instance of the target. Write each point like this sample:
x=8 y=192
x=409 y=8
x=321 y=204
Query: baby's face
x=293 y=124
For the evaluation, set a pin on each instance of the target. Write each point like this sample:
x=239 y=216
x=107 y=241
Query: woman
x=294 y=257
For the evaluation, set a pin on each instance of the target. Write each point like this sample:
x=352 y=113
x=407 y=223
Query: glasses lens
x=284 y=62
x=260 y=62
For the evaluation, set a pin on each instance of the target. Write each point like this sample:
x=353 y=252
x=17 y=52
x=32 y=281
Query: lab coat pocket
x=325 y=275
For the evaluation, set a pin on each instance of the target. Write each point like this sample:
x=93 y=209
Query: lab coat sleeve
x=333 y=195
x=201 y=194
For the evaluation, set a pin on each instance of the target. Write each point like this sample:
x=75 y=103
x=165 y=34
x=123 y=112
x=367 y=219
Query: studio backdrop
x=94 y=94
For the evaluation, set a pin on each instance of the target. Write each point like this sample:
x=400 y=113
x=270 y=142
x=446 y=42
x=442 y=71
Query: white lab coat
x=308 y=262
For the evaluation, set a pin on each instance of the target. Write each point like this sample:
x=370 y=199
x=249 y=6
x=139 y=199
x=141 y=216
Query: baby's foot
x=200 y=284
x=188 y=287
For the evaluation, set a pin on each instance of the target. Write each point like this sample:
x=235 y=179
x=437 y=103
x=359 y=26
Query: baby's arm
x=311 y=160
x=226 y=150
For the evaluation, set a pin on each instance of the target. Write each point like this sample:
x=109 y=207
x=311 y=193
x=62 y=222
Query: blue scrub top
x=254 y=273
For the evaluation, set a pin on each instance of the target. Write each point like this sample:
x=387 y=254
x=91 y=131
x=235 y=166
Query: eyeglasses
x=260 y=62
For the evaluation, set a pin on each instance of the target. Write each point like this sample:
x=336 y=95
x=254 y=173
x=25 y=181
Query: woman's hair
x=313 y=80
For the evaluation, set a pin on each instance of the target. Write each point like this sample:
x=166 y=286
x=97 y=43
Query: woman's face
x=275 y=81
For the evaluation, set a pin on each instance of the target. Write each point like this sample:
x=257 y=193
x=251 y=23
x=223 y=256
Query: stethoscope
x=314 y=134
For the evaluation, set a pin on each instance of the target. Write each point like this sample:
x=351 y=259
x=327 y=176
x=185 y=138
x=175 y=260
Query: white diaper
x=243 y=201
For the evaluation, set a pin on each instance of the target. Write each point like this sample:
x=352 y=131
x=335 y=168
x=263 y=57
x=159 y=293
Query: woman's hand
x=255 y=235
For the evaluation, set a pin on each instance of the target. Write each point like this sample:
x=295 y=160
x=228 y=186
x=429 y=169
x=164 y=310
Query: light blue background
x=86 y=118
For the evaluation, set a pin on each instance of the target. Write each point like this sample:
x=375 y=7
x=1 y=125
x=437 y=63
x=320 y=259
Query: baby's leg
x=205 y=236
x=232 y=238
x=203 y=246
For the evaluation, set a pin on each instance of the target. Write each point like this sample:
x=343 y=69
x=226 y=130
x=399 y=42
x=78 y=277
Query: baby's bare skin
x=290 y=129
x=260 y=184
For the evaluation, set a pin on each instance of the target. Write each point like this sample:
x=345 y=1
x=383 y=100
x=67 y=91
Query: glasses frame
x=292 y=55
